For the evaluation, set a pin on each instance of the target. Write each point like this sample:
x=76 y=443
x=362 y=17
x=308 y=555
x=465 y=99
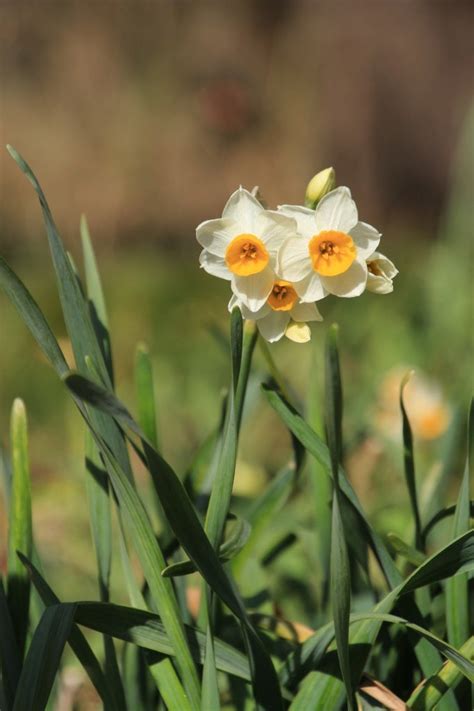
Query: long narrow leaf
x=20 y=536
x=145 y=394
x=340 y=577
x=95 y=293
x=183 y=519
x=221 y=492
x=431 y=692
x=77 y=641
x=169 y=686
x=152 y=562
x=455 y=558
x=315 y=446
x=147 y=630
x=42 y=661
x=10 y=664
x=33 y=317
x=76 y=313
x=409 y=461
x=457 y=595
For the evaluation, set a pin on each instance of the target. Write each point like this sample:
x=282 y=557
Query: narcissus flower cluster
x=281 y=262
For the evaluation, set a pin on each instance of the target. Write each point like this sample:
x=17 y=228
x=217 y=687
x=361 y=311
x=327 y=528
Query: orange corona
x=246 y=255
x=331 y=252
x=282 y=297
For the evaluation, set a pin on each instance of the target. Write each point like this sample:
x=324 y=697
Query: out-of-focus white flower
x=329 y=253
x=381 y=272
x=428 y=412
x=282 y=314
x=319 y=185
x=242 y=246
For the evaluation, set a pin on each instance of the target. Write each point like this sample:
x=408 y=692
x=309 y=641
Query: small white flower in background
x=282 y=314
x=329 y=254
x=381 y=274
x=242 y=247
x=427 y=408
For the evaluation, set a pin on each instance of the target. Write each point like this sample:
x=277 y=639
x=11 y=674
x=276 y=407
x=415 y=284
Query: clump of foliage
x=190 y=637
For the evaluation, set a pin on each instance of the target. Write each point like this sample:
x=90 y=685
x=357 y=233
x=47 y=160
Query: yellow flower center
x=282 y=297
x=331 y=252
x=246 y=255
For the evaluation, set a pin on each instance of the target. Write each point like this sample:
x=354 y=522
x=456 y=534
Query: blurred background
x=145 y=116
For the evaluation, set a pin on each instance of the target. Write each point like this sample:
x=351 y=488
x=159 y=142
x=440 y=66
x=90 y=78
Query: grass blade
x=169 y=686
x=442 y=514
x=409 y=461
x=99 y=512
x=340 y=574
x=77 y=641
x=33 y=317
x=76 y=313
x=453 y=559
x=10 y=664
x=95 y=294
x=321 y=485
x=318 y=449
x=152 y=562
x=412 y=555
x=43 y=658
x=221 y=491
x=146 y=630
x=146 y=409
x=229 y=548
x=457 y=592
x=145 y=394
x=427 y=695
x=20 y=536
x=185 y=523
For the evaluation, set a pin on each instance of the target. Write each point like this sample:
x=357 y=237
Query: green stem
x=274 y=372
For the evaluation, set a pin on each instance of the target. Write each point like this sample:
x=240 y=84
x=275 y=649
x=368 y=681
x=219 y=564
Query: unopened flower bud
x=321 y=184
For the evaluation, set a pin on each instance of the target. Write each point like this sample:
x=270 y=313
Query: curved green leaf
x=43 y=658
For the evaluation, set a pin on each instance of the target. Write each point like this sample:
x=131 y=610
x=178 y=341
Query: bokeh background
x=145 y=116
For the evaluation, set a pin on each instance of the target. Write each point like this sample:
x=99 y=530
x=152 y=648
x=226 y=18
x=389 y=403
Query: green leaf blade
x=43 y=658
x=20 y=533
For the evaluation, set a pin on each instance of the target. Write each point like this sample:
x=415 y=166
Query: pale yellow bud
x=321 y=184
x=298 y=332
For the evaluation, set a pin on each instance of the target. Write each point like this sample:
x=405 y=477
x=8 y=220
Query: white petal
x=385 y=264
x=305 y=312
x=255 y=315
x=379 y=284
x=366 y=239
x=304 y=218
x=214 y=265
x=253 y=291
x=244 y=208
x=273 y=229
x=233 y=302
x=336 y=211
x=215 y=235
x=350 y=283
x=246 y=313
x=294 y=262
x=310 y=289
x=272 y=327
x=298 y=332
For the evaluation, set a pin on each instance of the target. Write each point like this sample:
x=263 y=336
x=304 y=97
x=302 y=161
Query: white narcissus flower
x=381 y=274
x=242 y=246
x=330 y=252
x=282 y=314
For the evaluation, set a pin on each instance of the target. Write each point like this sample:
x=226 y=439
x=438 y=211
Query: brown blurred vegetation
x=145 y=115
